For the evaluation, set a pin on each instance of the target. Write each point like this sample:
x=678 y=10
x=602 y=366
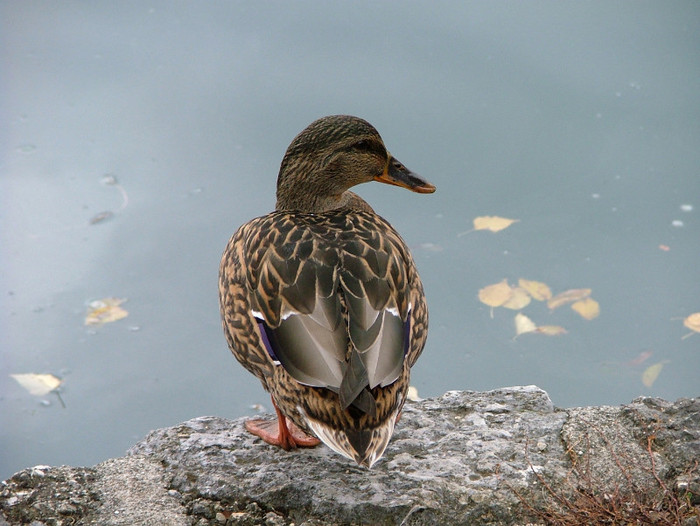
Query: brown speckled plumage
x=318 y=297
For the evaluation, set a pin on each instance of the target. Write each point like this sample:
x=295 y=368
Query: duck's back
x=335 y=297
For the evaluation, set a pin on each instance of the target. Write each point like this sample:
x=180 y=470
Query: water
x=580 y=120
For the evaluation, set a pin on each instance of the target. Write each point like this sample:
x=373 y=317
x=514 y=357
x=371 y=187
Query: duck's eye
x=363 y=145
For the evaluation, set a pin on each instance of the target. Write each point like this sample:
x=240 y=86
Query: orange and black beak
x=397 y=174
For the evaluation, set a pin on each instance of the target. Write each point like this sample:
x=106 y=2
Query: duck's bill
x=397 y=174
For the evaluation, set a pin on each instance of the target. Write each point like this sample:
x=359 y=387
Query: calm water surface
x=582 y=120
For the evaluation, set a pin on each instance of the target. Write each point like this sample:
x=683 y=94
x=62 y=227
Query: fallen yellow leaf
x=37 y=384
x=693 y=323
x=518 y=299
x=523 y=324
x=550 y=330
x=538 y=290
x=493 y=223
x=652 y=372
x=497 y=294
x=412 y=394
x=588 y=308
x=105 y=311
x=568 y=296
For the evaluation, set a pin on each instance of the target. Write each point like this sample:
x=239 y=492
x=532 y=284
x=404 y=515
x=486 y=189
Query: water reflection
x=580 y=122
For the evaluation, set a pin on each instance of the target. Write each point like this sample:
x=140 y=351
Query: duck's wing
x=332 y=300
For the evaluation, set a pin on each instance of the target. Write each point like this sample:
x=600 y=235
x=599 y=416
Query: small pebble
x=272 y=519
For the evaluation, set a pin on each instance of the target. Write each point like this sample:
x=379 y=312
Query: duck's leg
x=281 y=432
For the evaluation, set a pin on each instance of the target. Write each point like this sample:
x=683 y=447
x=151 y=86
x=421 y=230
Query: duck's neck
x=316 y=204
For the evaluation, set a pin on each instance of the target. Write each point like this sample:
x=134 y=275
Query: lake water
x=581 y=120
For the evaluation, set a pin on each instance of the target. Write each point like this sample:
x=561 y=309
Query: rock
x=500 y=457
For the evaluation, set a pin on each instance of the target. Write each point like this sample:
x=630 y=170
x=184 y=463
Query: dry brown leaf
x=102 y=216
x=105 y=310
x=652 y=372
x=568 y=296
x=588 y=308
x=37 y=384
x=519 y=299
x=497 y=294
x=523 y=324
x=550 y=330
x=641 y=358
x=493 y=223
x=538 y=290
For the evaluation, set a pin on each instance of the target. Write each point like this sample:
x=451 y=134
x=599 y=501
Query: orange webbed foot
x=281 y=432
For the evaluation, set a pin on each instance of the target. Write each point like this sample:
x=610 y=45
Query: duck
x=321 y=300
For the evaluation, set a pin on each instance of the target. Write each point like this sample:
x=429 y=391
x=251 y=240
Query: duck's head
x=332 y=155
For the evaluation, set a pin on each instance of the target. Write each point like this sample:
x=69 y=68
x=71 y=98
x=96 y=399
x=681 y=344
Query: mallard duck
x=321 y=300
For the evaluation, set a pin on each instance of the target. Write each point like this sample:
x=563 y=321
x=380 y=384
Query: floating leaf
x=412 y=394
x=493 y=223
x=641 y=358
x=550 y=330
x=497 y=294
x=568 y=296
x=588 y=308
x=523 y=324
x=431 y=247
x=538 y=290
x=102 y=216
x=693 y=323
x=37 y=384
x=652 y=372
x=105 y=311
x=518 y=299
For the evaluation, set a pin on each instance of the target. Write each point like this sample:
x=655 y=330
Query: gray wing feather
x=312 y=347
x=337 y=314
x=378 y=335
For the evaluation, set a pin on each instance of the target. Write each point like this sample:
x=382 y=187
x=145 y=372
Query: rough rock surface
x=463 y=458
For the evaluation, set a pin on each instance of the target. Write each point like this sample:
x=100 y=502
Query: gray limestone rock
x=499 y=457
